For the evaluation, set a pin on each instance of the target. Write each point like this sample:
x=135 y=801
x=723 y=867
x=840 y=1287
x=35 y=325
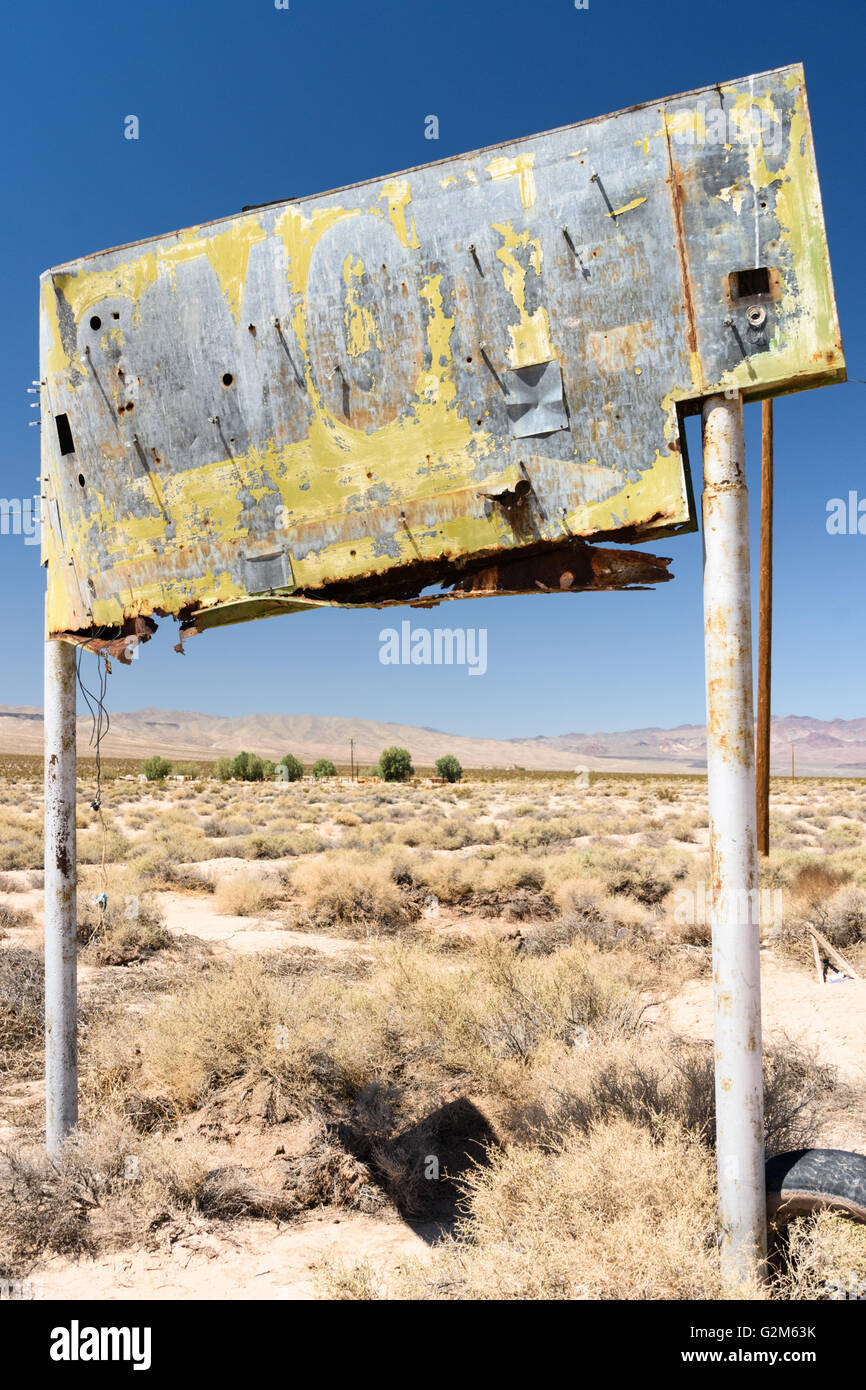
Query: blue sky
x=243 y=103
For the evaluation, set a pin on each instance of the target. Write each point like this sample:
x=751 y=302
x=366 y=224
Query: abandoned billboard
x=456 y=380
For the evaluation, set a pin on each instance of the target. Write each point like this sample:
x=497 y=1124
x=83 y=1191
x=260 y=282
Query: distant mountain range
x=820 y=746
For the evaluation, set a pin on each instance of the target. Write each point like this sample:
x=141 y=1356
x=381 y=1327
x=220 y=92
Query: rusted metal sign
x=441 y=383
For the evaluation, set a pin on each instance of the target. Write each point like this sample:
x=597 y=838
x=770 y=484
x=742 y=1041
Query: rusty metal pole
x=765 y=632
x=61 y=1003
x=733 y=858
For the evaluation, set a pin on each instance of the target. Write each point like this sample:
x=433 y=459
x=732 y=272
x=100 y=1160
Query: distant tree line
x=394 y=765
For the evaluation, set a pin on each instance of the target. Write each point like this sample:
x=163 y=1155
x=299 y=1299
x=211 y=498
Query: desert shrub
x=156 y=769
x=323 y=767
x=226 y=1026
x=22 y=1010
x=261 y=846
x=607 y=922
x=648 y=883
x=451 y=880
x=129 y=927
x=219 y=827
x=562 y=999
x=611 y=1214
x=83 y=1200
x=13 y=918
x=842 y=836
x=816 y=881
x=824 y=1258
x=448 y=768
x=353 y=893
x=247 y=767
x=840 y=914
x=673 y=1084
x=843 y=920
x=444 y=833
x=294 y=768
x=395 y=764
x=92 y=844
x=507 y=871
x=244 y=895
x=21 y=848
x=530 y=834
x=192 y=878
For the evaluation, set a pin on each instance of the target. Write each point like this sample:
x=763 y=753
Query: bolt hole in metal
x=227 y=378
x=96 y=323
x=81 y=479
x=757 y=316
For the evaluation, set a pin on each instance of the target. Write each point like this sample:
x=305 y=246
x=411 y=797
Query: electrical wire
x=100 y=725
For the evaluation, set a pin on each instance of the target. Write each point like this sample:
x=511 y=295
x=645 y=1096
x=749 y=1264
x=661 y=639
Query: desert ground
x=387 y=1041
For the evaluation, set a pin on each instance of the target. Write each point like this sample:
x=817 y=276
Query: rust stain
x=676 y=191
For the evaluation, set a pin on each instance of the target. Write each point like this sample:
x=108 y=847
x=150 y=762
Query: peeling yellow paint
x=399 y=195
x=530 y=336
x=523 y=169
x=626 y=207
x=733 y=195
x=362 y=331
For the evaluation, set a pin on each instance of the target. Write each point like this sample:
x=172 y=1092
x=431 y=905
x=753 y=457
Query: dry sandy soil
x=334 y=880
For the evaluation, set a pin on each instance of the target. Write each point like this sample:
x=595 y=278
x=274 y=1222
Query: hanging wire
x=100 y=724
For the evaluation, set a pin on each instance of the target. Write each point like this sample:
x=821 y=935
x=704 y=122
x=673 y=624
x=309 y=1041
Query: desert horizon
x=834 y=747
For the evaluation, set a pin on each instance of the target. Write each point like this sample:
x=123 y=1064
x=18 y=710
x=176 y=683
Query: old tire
x=810 y=1180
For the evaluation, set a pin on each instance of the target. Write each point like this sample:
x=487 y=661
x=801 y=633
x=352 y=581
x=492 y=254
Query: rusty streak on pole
x=765 y=632
x=733 y=859
x=61 y=1004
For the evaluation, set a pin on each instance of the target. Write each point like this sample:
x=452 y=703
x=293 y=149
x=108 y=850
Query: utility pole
x=733 y=857
x=61 y=985
x=351 y=760
x=765 y=632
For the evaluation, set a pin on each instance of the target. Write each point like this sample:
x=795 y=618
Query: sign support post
x=733 y=856
x=61 y=1002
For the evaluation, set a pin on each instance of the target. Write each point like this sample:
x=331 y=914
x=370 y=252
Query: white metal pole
x=61 y=1002
x=733 y=852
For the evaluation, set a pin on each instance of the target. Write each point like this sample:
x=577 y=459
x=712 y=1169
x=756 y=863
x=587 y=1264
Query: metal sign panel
x=454 y=377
